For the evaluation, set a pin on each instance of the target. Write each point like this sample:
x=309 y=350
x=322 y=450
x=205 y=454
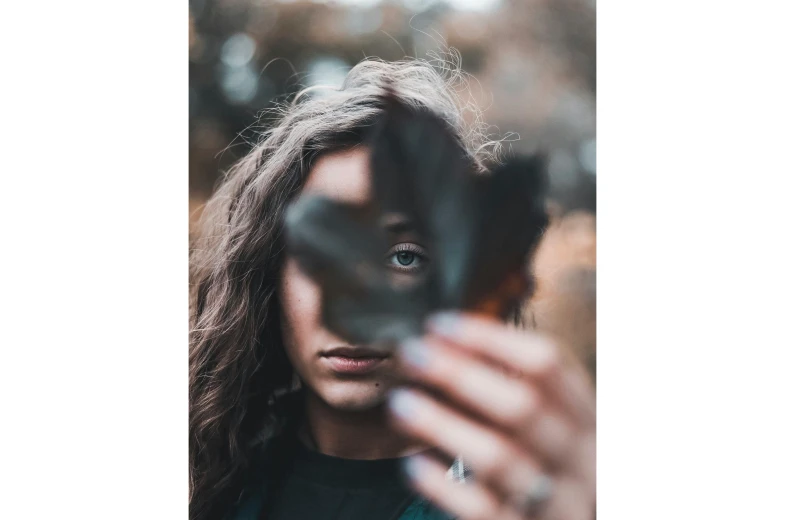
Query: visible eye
x=407 y=257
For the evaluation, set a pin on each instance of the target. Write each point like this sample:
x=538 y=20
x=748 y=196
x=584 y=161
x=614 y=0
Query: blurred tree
x=534 y=62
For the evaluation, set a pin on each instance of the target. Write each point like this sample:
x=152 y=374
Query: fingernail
x=403 y=403
x=415 y=352
x=444 y=323
x=413 y=467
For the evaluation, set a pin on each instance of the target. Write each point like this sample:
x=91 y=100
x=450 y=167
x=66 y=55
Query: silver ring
x=536 y=496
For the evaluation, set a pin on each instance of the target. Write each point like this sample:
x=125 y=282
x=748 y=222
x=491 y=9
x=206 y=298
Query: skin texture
x=517 y=410
x=345 y=177
x=506 y=400
x=344 y=413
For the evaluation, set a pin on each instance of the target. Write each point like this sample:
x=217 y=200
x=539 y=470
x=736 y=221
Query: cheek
x=301 y=309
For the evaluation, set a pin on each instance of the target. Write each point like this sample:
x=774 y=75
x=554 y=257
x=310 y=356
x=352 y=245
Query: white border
x=94 y=227
x=94 y=299
x=691 y=265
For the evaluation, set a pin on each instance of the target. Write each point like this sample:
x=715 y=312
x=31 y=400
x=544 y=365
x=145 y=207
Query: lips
x=353 y=360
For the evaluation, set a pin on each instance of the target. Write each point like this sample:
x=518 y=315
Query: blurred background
x=532 y=65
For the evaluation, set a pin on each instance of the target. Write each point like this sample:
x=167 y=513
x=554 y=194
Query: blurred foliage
x=534 y=63
x=245 y=54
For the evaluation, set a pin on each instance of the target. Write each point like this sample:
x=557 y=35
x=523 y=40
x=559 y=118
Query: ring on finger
x=532 y=502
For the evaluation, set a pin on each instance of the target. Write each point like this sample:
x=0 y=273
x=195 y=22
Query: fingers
x=513 y=405
x=475 y=385
x=521 y=351
x=530 y=355
x=476 y=501
x=467 y=500
x=491 y=456
x=571 y=500
x=508 y=429
x=584 y=466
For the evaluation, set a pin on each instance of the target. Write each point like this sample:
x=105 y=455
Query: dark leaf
x=337 y=244
x=480 y=230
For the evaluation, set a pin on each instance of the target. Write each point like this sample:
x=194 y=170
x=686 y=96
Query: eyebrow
x=397 y=223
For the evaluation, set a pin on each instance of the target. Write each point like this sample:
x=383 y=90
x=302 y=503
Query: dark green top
x=312 y=485
x=288 y=481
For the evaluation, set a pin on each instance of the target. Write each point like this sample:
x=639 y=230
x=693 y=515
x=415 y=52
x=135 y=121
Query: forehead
x=344 y=175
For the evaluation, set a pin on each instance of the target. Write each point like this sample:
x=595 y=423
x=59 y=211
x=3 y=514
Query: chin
x=354 y=396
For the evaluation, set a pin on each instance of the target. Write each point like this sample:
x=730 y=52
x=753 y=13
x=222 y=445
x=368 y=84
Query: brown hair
x=237 y=362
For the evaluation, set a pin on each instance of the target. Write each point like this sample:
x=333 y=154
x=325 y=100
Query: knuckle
x=484 y=507
x=520 y=407
x=549 y=356
x=541 y=355
x=478 y=511
x=495 y=459
x=552 y=430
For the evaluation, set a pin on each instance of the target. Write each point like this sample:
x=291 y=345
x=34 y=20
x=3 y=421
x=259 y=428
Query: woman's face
x=346 y=377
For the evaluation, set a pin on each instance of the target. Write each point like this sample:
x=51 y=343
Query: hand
x=508 y=403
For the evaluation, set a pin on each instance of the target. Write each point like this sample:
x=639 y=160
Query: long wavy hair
x=237 y=360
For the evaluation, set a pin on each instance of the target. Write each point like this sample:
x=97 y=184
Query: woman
x=288 y=421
